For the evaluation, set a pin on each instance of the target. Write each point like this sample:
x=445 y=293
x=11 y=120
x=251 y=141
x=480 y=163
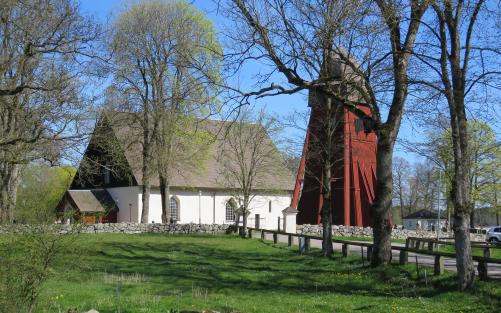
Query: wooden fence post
x=483 y=267
x=404 y=257
x=250 y=232
x=275 y=237
x=345 y=249
x=301 y=242
x=306 y=243
x=431 y=245
x=417 y=243
x=369 y=253
x=289 y=240
x=438 y=267
x=262 y=234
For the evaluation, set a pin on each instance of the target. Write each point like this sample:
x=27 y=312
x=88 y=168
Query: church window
x=174 y=208
x=230 y=210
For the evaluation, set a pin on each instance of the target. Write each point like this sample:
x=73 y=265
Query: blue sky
x=280 y=105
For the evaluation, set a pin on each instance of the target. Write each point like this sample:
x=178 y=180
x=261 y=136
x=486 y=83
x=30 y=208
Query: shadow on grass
x=224 y=263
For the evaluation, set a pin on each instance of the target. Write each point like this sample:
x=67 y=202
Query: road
x=494 y=271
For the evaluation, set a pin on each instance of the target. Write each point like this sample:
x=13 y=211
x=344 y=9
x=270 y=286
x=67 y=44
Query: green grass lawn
x=368 y=239
x=495 y=252
x=158 y=273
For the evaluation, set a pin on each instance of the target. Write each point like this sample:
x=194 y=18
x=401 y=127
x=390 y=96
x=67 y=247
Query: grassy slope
x=155 y=273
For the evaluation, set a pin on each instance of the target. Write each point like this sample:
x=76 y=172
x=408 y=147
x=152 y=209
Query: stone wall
x=135 y=228
x=315 y=230
x=132 y=228
x=354 y=231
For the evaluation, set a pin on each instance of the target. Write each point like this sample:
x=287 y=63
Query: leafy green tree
x=166 y=62
x=40 y=191
x=45 y=52
x=484 y=153
x=484 y=158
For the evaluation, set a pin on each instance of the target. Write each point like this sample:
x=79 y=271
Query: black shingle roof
x=425 y=214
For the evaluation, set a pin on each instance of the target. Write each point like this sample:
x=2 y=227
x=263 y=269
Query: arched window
x=174 y=208
x=230 y=210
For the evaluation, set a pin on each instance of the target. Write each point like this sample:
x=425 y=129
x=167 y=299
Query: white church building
x=108 y=185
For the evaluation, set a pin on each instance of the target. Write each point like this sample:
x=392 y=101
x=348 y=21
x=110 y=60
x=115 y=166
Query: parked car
x=494 y=235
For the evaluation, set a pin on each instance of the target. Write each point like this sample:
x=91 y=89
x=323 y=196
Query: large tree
x=483 y=156
x=166 y=64
x=44 y=53
x=298 y=39
x=461 y=54
x=247 y=158
x=41 y=189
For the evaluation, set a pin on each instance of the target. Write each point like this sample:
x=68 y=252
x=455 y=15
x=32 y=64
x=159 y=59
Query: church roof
x=92 y=201
x=126 y=128
x=424 y=214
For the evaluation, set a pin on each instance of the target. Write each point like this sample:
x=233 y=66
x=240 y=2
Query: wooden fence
x=413 y=244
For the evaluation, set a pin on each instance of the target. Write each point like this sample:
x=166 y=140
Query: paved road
x=427 y=260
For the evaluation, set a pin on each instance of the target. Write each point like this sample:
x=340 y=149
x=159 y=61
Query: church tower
x=353 y=159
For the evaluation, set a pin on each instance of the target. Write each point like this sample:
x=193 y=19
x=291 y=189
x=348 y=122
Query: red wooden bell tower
x=353 y=175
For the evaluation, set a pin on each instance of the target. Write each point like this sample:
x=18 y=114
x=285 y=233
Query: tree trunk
x=9 y=181
x=146 y=203
x=326 y=228
x=164 y=194
x=464 y=261
x=461 y=191
x=462 y=211
x=245 y=214
x=381 y=208
x=326 y=211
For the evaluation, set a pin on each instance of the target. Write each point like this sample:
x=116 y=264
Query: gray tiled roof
x=130 y=136
x=95 y=200
x=424 y=214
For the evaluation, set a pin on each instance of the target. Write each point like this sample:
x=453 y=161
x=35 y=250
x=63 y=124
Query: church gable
x=104 y=163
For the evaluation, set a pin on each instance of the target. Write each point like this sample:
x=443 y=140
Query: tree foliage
x=41 y=189
x=166 y=67
x=248 y=156
x=45 y=51
x=302 y=39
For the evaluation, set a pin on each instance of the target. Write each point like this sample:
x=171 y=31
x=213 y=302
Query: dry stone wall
x=306 y=229
x=354 y=231
x=130 y=228
x=135 y=228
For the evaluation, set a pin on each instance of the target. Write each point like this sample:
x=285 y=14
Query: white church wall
x=127 y=201
x=212 y=208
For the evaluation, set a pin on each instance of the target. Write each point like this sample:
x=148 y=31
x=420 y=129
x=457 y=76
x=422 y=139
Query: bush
x=27 y=259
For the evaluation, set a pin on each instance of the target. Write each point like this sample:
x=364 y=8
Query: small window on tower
x=359 y=125
x=269 y=206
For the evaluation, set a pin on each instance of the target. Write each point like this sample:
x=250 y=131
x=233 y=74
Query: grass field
x=495 y=252
x=155 y=273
